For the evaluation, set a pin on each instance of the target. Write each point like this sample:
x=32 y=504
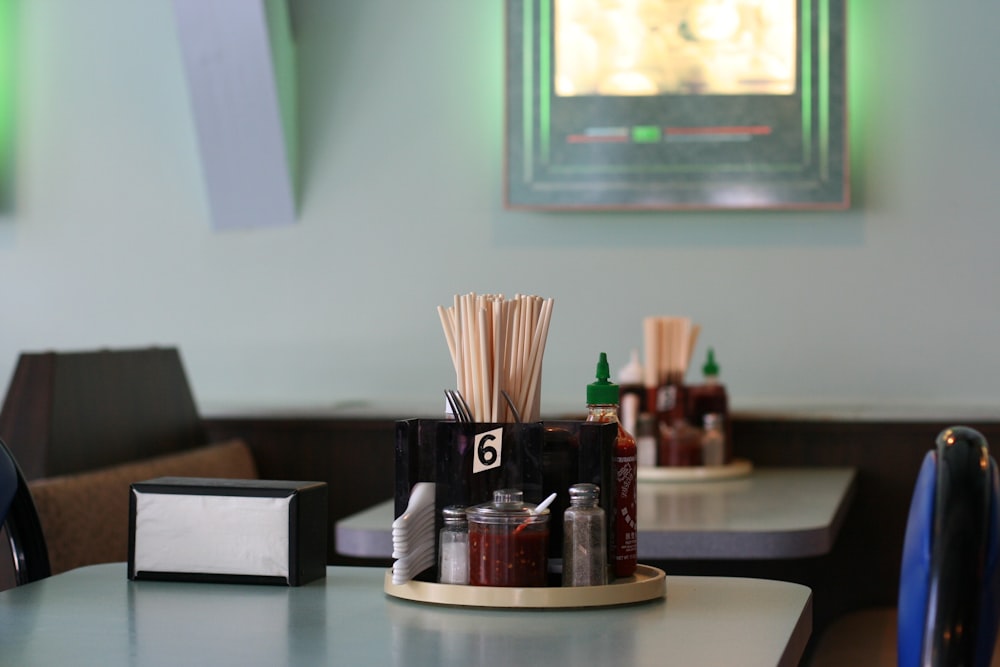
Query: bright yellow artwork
x=655 y=47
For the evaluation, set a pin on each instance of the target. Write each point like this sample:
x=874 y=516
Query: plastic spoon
x=421 y=496
x=538 y=510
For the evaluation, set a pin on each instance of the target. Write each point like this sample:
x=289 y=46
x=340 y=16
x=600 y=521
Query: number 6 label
x=488 y=445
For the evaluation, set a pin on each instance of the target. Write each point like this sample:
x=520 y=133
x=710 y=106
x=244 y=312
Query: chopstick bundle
x=496 y=346
x=668 y=343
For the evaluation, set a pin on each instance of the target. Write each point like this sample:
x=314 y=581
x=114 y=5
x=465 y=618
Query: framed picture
x=675 y=104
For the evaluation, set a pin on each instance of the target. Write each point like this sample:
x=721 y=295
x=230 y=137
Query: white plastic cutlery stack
x=413 y=535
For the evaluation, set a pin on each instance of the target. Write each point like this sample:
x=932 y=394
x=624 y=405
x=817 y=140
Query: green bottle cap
x=710 y=369
x=602 y=392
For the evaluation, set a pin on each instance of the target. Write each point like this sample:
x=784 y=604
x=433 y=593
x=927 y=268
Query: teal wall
x=892 y=305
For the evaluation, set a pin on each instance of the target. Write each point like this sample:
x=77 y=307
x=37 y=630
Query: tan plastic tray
x=648 y=583
x=733 y=470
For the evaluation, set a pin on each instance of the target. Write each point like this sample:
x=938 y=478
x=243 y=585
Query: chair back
x=30 y=559
x=949 y=583
x=69 y=412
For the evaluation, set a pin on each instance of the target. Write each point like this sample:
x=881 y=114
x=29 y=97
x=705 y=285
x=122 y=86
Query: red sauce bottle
x=710 y=398
x=602 y=406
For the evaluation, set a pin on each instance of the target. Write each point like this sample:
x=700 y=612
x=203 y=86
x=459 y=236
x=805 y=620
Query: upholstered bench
x=84 y=516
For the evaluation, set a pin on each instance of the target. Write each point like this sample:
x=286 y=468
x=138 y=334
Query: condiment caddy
x=495 y=468
x=488 y=477
x=679 y=425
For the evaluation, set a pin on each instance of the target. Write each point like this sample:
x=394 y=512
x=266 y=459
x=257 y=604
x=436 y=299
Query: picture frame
x=675 y=104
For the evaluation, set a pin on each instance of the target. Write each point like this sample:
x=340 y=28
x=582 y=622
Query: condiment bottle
x=508 y=542
x=647 y=441
x=713 y=441
x=710 y=397
x=453 y=547
x=632 y=393
x=584 y=544
x=602 y=406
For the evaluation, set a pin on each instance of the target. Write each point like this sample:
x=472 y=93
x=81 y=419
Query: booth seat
x=84 y=516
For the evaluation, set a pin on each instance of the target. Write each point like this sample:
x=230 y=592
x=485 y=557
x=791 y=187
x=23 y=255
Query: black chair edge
x=24 y=531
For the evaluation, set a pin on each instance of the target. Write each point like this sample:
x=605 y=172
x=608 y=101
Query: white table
x=95 y=616
x=771 y=513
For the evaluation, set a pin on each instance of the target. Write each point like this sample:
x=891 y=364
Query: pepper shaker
x=584 y=554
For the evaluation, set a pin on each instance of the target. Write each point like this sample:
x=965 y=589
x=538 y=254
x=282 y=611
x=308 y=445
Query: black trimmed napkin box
x=227 y=530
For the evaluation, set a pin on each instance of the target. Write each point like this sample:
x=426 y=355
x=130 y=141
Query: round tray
x=648 y=583
x=733 y=469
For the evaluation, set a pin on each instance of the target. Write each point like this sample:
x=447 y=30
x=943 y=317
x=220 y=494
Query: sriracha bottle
x=710 y=398
x=602 y=406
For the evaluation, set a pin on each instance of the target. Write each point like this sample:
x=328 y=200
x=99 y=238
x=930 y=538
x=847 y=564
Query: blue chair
x=20 y=523
x=949 y=585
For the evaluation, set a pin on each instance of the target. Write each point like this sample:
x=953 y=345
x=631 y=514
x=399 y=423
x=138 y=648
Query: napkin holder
x=227 y=530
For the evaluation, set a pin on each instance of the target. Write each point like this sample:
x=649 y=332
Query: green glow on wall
x=805 y=35
x=6 y=101
x=284 y=62
x=823 y=100
x=863 y=21
x=545 y=83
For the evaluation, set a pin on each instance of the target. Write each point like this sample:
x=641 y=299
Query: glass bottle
x=602 y=406
x=453 y=549
x=710 y=397
x=647 y=441
x=632 y=393
x=584 y=544
x=713 y=441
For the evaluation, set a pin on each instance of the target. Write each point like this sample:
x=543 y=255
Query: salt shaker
x=453 y=559
x=584 y=554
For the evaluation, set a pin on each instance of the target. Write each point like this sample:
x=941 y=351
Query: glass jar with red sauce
x=508 y=542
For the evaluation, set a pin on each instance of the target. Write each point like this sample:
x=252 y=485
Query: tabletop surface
x=770 y=513
x=95 y=616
